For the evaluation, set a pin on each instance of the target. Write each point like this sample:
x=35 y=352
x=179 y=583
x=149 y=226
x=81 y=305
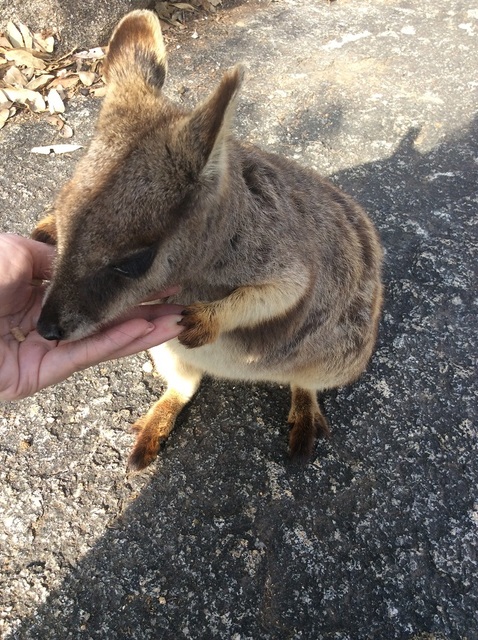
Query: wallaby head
x=127 y=223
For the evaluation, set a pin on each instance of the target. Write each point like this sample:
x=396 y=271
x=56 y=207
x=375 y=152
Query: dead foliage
x=176 y=13
x=32 y=78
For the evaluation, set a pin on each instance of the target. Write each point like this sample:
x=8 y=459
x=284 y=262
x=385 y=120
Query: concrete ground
x=222 y=537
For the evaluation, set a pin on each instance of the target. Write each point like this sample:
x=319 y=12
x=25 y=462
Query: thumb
x=42 y=257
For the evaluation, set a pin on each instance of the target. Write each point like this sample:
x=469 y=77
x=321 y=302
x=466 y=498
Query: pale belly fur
x=220 y=362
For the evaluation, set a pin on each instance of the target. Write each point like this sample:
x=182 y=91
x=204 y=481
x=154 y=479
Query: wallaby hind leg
x=153 y=428
x=308 y=423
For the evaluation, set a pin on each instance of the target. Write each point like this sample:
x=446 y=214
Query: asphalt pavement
x=222 y=537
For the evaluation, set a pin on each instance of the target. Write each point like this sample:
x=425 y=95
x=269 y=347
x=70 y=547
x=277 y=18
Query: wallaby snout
x=66 y=315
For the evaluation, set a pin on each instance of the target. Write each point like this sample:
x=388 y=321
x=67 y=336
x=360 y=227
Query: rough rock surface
x=222 y=537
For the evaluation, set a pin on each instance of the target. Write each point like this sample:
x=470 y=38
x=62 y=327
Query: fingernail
x=173 y=320
x=148 y=328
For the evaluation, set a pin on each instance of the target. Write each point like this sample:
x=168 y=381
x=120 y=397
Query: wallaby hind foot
x=154 y=428
x=308 y=424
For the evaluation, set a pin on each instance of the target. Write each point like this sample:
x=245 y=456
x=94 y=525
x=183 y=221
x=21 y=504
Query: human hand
x=28 y=362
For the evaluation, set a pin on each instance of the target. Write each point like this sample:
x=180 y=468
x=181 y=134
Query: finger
x=116 y=342
x=150 y=312
x=124 y=339
x=164 y=328
x=42 y=257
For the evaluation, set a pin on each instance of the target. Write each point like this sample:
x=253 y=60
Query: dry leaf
x=25 y=59
x=5 y=103
x=15 y=77
x=35 y=79
x=44 y=44
x=87 y=77
x=4 y=115
x=39 y=82
x=55 y=103
x=28 y=73
x=57 y=65
x=26 y=35
x=184 y=6
x=67 y=57
x=66 y=131
x=176 y=20
x=92 y=54
x=61 y=91
x=56 y=122
x=6 y=44
x=94 y=66
x=14 y=35
x=32 y=99
x=56 y=149
x=100 y=92
x=64 y=82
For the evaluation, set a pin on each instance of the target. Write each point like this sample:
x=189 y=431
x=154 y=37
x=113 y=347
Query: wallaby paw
x=144 y=451
x=200 y=325
x=45 y=231
x=154 y=428
x=302 y=439
x=306 y=428
x=322 y=426
x=139 y=425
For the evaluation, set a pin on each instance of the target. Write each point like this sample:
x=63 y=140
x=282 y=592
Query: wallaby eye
x=137 y=264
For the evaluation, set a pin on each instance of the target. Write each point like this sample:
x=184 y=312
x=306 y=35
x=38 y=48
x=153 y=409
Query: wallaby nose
x=49 y=329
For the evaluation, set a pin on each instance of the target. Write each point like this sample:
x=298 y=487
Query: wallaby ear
x=203 y=136
x=136 y=52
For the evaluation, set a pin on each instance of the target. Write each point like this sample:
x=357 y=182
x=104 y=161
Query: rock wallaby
x=279 y=271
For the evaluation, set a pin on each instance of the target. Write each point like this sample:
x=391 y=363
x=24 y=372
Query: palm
x=20 y=303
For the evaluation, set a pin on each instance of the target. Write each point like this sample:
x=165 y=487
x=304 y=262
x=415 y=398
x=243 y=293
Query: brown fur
x=154 y=428
x=307 y=422
x=279 y=270
x=45 y=231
